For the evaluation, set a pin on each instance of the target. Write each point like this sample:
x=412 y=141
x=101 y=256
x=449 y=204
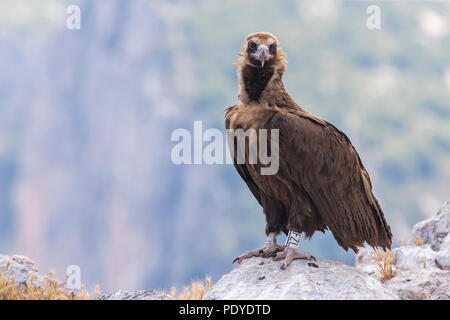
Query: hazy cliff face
x=86 y=117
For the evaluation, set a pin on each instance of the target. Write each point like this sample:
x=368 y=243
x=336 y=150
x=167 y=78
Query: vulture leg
x=270 y=248
x=291 y=252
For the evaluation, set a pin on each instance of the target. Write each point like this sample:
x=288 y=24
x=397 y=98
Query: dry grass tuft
x=418 y=241
x=196 y=292
x=48 y=290
x=385 y=260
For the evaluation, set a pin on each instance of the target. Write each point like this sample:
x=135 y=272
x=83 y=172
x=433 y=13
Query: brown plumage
x=321 y=182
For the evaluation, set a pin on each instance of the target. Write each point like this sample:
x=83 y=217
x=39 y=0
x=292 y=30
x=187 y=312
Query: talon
x=312 y=257
x=312 y=264
x=268 y=250
x=279 y=256
x=289 y=254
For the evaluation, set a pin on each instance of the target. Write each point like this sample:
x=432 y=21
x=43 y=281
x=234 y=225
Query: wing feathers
x=332 y=174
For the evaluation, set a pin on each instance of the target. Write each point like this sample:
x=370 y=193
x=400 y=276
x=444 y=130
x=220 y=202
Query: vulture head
x=261 y=50
x=261 y=64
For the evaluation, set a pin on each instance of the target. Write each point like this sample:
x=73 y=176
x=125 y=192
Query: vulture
x=321 y=183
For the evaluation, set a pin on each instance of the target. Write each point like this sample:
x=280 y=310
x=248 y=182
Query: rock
x=136 y=295
x=404 y=258
x=414 y=257
x=418 y=272
x=443 y=260
x=442 y=292
x=445 y=243
x=443 y=257
x=420 y=284
x=331 y=280
x=423 y=271
x=19 y=268
x=366 y=261
x=434 y=230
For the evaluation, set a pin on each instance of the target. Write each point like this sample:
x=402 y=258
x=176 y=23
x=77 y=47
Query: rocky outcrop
x=136 y=295
x=260 y=278
x=20 y=269
x=420 y=284
x=434 y=231
x=422 y=265
x=417 y=270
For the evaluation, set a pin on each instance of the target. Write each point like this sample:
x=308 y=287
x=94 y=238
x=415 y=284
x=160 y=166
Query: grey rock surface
x=443 y=258
x=260 y=278
x=441 y=292
x=420 y=284
x=421 y=272
x=405 y=258
x=20 y=269
x=414 y=257
x=136 y=295
x=434 y=230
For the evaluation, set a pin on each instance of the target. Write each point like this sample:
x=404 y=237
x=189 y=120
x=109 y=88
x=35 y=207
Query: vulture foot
x=269 y=249
x=290 y=254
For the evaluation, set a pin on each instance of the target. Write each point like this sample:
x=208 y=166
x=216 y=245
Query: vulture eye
x=251 y=45
x=273 y=48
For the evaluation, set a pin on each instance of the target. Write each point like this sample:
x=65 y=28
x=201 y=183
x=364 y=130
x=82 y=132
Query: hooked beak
x=262 y=54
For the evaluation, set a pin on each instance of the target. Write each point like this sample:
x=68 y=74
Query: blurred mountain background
x=86 y=117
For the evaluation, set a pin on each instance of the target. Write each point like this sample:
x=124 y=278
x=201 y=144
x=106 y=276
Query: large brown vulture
x=321 y=182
